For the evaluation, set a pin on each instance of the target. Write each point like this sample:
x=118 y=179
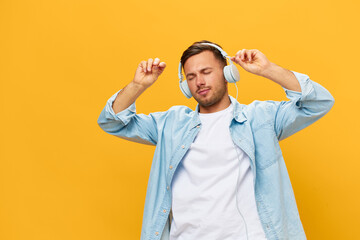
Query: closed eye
x=205 y=70
x=192 y=77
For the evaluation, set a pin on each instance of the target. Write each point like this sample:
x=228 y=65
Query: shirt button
x=267 y=226
x=167 y=187
x=183 y=146
x=171 y=167
x=156 y=233
x=164 y=210
x=197 y=126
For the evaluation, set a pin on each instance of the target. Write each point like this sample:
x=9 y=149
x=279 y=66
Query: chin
x=206 y=103
x=210 y=100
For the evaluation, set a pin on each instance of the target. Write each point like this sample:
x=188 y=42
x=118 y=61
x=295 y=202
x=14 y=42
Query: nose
x=200 y=80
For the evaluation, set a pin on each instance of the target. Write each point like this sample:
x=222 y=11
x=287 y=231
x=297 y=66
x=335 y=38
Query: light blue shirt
x=256 y=128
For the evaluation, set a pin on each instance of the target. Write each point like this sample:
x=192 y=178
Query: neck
x=221 y=105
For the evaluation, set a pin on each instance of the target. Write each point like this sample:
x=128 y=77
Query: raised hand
x=252 y=60
x=148 y=72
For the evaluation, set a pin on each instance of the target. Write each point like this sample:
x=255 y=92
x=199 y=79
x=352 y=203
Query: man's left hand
x=252 y=60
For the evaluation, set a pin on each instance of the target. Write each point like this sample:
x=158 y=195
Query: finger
x=156 y=61
x=252 y=54
x=162 y=65
x=235 y=59
x=149 y=64
x=237 y=55
x=143 y=65
x=247 y=54
x=242 y=54
x=158 y=69
x=155 y=66
x=238 y=58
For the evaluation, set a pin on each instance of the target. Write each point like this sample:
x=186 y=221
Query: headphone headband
x=223 y=53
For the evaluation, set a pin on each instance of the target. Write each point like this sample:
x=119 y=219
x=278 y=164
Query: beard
x=214 y=97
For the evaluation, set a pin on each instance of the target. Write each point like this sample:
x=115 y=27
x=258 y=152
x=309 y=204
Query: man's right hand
x=148 y=72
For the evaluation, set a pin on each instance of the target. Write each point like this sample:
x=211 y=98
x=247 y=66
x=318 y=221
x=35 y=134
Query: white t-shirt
x=204 y=187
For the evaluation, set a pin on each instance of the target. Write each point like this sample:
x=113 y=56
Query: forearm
x=283 y=77
x=127 y=96
x=125 y=122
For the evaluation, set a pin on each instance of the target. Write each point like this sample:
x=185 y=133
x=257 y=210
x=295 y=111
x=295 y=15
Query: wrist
x=270 y=70
x=138 y=87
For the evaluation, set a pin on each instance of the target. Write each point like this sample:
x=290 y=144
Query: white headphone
x=231 y=73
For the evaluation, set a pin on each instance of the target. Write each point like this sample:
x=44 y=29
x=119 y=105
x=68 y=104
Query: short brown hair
x=197 y=48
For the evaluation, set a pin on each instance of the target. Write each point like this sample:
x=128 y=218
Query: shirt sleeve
x=127 y=124
x=302 y=109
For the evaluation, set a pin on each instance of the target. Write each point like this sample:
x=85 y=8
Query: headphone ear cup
x=231 y=73
x=185 y=89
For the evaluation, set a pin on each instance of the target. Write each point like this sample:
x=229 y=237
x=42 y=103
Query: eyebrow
x=201 y=70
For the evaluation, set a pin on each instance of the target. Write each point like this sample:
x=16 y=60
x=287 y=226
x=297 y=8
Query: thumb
x=158 y=69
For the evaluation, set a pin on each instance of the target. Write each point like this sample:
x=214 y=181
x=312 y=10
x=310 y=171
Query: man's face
x=205 y=78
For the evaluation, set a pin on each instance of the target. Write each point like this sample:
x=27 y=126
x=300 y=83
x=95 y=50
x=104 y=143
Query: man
x=218 y=171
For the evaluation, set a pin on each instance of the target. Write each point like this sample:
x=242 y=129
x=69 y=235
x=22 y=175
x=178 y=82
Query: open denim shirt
x=256 y=128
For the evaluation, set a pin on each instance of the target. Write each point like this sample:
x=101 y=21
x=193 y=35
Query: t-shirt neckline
x=229 y=108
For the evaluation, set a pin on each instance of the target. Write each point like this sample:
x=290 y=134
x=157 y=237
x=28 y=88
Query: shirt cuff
x=124 y=115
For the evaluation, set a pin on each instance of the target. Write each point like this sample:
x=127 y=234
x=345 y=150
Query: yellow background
x=62 y=177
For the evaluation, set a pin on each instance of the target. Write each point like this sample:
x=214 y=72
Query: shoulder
x=180 y=108
x=175 y=112
x=259 y=112
x=258 y=106
x=180 y=111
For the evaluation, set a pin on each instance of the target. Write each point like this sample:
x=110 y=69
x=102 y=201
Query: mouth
x=203 y=91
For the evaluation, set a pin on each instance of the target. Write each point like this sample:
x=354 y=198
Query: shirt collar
x=238 y=113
